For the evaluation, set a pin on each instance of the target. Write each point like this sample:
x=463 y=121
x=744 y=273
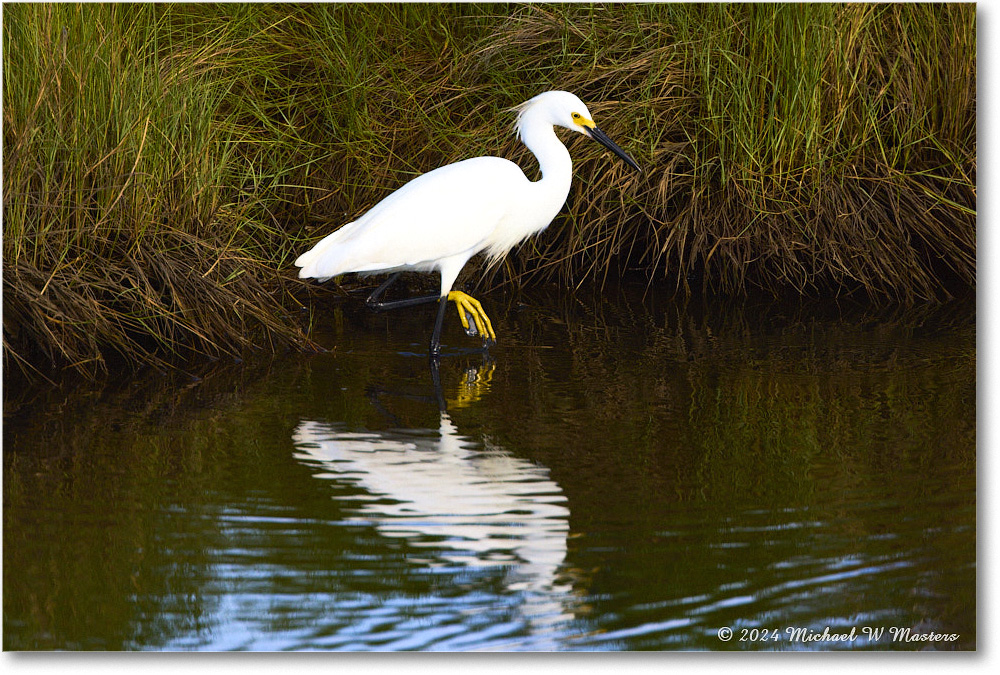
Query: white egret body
x=439 y=220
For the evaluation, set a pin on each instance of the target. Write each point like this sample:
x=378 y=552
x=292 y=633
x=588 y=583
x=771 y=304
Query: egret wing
x=438 y=215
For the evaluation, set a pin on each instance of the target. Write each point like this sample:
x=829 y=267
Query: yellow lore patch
x=583 y=121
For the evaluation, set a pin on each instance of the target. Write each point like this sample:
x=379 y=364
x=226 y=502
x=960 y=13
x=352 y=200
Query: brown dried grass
x=164 y=164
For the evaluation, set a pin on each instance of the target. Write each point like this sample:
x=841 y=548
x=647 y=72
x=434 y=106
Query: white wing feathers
x=423 y=222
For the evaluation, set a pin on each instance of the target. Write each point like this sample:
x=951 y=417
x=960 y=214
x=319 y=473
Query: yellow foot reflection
x=469 y=306
x=473 y=386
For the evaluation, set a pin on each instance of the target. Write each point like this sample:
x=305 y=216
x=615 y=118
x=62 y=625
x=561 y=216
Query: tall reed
x=132 y=224
x=164 y=164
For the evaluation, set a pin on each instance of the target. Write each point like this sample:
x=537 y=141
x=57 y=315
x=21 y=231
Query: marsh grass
x=131 y=226
x=164 y=164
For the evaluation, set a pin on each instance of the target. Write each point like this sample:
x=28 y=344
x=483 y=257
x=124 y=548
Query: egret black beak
x=603 y=139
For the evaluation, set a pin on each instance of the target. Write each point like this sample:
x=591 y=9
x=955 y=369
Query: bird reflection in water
x=463 y=501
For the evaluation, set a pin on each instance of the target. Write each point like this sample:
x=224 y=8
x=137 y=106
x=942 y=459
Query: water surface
x=621 y=473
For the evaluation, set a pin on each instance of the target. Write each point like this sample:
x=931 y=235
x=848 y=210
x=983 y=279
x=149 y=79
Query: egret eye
x=576 y=116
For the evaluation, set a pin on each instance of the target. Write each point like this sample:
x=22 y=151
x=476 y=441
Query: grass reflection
x=819 y=461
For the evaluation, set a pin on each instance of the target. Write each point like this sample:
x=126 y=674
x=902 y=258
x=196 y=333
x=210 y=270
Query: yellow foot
x=468 y=305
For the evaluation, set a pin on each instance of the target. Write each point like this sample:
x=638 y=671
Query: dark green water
x=624 y=473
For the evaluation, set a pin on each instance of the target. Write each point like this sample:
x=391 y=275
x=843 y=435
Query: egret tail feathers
x=316 y=261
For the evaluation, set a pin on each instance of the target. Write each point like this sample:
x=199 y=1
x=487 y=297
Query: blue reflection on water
x=462 y=508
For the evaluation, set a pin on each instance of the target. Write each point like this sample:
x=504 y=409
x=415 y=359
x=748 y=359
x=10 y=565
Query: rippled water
x=621 y=473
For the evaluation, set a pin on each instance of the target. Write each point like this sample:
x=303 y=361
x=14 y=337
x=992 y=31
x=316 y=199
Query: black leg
x=373 y=302
x=377 y=305
x=373 y=299
x=436 y=335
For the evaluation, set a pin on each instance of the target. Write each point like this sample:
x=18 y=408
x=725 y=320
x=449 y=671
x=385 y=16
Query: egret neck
x=556 y=165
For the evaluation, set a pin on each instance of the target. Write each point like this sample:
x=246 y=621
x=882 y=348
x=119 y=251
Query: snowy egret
x=440 y=219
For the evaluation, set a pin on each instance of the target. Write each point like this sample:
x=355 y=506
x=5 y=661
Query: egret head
x=563 y=109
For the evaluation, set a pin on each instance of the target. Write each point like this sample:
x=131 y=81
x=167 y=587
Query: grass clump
x=164 y=164
x=822 y=148
x=130 y=221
